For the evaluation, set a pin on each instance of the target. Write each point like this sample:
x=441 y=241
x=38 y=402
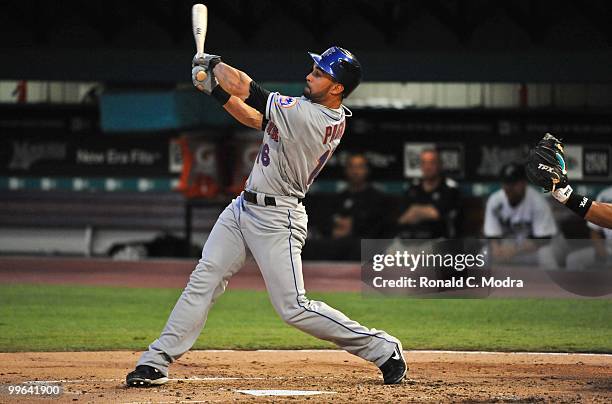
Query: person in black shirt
x=359 y=212
x=431 y=206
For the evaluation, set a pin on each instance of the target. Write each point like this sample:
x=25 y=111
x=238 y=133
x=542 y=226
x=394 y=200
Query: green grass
x=60 y=318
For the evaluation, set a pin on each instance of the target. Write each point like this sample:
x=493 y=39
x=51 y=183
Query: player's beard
x=306 y=91
x=313 y=97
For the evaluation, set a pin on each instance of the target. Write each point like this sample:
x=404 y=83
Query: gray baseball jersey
x=299 y=139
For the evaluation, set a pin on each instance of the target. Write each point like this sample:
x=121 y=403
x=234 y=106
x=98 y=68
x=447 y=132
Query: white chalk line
x=418 y=351
x=512 y=353
x=173 y=402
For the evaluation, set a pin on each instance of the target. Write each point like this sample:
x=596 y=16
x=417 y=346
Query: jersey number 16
x=264 y=156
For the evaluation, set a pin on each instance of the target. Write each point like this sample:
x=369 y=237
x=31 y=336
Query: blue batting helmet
x=342 y=65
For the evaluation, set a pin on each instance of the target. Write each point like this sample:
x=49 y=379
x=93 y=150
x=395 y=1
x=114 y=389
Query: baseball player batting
x=269 y=217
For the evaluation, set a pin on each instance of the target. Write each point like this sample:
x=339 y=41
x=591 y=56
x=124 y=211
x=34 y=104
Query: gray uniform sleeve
x=289 y=114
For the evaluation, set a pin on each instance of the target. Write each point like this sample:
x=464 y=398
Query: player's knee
x=204 y=274
x=207 y=265
x=291 y=313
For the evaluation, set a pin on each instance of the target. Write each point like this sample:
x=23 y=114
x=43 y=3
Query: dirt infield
x=215 y=376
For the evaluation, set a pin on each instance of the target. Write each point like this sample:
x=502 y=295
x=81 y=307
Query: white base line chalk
x=423 y=351
x=260 y=393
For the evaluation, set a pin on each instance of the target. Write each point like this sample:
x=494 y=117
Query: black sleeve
x=258 y=97
x=408 y=199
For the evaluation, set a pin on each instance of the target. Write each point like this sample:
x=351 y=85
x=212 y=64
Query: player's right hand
x=206 y=60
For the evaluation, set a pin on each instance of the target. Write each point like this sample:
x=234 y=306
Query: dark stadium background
x=82 y=81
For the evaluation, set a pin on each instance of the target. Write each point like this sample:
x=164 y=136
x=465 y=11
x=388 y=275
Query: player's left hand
x=208 y=84
x=546 y=165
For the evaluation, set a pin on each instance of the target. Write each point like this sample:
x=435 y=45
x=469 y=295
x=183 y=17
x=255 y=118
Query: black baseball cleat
x=145 y=376
x=395 y=368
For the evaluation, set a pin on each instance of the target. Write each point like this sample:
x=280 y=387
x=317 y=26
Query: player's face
x=515 y=191
x=319 y=85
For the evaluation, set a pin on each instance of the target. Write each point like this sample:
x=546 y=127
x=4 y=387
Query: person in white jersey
x=517 y=215
x=268 y=217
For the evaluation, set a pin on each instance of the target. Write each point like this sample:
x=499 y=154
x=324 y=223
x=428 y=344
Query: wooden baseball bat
x=199 y=22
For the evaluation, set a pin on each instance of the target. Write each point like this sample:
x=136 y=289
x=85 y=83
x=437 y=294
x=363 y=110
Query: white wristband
x=562 y=194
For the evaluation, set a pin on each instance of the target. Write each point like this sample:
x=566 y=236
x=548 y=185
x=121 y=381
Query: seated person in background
x=358 y=212
x=599 y=254
x=360 y=208
x=431 y=206
x=515 y=214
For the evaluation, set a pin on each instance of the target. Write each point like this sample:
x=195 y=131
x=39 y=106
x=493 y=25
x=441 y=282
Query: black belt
x=268 y=200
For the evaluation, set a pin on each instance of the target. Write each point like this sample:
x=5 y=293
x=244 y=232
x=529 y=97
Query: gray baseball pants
x=275 y=235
